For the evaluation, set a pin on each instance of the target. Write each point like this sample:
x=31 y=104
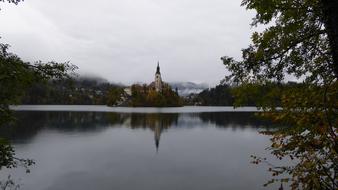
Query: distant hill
x=84 y=90
x=186 y=88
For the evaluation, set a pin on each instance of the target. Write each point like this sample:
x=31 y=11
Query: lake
x=97 y=147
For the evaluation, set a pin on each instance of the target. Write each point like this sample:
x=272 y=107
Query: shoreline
x=104 y=108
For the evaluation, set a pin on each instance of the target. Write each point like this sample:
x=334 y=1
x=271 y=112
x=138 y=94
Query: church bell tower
x=158 y=80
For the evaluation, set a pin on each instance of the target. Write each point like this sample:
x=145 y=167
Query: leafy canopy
x=16 y=76
x=298 y=42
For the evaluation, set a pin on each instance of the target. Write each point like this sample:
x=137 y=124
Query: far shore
x=104 y=108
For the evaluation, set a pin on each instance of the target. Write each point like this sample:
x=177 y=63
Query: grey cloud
x=122 y=40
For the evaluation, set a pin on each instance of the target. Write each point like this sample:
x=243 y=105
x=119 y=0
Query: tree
x=301 y=42
x=147 y=96
x=12 y=1
x=114 y=96
x=330 y=19
x=16 y=76
x=218 y=96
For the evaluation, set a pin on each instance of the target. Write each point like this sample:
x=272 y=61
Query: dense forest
x=96 y=91
x=257 y=94
x=78 y=91
x=221 y=95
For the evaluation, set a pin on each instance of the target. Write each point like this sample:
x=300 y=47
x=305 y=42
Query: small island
x=156 y=94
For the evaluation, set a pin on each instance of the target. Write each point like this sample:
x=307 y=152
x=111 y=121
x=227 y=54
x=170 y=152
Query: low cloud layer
x=122 y=40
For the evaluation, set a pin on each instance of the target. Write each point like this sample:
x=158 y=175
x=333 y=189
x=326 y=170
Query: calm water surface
x=89 y=149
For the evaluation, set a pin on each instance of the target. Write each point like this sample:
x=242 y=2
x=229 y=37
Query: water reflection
x=29 y=124
x=93 y=150
x=156 y=122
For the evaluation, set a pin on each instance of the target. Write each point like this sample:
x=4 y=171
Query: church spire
x=158 y=80
x=158 y=68
x=157 y=135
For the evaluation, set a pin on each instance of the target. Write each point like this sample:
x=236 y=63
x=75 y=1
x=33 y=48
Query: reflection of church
x=158 y=126
x=162 y=123
x=156 y=122
x=157 y=136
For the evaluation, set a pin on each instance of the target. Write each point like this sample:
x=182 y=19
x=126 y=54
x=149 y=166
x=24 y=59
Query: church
x=158 y=83
x=156 y=94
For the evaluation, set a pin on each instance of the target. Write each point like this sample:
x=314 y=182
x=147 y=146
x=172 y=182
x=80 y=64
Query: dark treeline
x=94 y=91
x=219 y=96
x=77 y=91
x=257 y=94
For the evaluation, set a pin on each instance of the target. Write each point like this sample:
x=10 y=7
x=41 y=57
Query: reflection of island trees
x=29 y=124
x=151 y=120
x=235 y=119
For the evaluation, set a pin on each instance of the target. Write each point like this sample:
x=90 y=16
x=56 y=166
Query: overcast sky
x=122 y=40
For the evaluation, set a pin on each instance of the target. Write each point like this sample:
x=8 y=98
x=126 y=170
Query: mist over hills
x=183 y=88
x=96 y=80
x=186 y=88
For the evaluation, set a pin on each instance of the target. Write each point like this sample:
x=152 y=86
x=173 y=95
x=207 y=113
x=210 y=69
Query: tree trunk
x=330 y=12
